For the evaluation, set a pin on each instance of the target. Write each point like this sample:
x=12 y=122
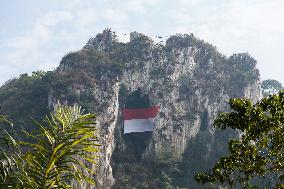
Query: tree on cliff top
x=270 y=86
x=256 y=159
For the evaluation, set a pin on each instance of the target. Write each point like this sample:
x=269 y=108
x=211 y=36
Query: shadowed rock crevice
x=136 y=143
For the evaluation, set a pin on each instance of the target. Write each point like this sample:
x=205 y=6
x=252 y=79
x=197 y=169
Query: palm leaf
x=9 y=155
x=61 y=151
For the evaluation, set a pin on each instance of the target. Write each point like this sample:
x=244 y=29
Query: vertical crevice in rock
x=204 y=121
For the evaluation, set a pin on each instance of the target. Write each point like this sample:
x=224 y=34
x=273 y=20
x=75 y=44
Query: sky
x=35 y=35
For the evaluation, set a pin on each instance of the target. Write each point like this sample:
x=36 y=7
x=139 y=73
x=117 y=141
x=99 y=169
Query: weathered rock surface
x=187 y=77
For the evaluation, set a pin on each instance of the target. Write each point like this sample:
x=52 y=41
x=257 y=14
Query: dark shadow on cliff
x=201 y=155
x=131 y=146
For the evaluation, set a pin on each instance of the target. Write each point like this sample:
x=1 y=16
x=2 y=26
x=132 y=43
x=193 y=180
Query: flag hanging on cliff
x=139 y=119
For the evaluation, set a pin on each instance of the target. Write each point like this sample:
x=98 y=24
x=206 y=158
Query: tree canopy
x=271 y=86
x=256 y=158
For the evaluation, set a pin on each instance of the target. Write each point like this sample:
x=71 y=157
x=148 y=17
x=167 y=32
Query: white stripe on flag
x=138 y=125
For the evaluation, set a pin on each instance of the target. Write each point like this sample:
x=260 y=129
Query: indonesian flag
x=140 y=119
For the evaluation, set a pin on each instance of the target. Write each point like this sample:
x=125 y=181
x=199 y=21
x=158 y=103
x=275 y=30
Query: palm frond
x=62 y=150
x=9 y=155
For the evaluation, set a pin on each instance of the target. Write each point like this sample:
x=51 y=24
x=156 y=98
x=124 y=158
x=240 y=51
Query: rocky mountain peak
x=103 y=41
x=135 y=34
x=187 y=78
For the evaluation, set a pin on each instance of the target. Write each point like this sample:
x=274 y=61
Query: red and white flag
x=140 y=119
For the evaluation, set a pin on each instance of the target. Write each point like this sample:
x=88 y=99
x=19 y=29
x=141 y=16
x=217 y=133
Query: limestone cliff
x=188 y=78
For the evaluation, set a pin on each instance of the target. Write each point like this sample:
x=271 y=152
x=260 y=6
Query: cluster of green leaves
x=256 y=158
x=29 y=94
x=58 y=154
x=242 y=71
x=139 y=47
x=9 y=154
x=150 y=172
x=106 y=40
x=184 y=41
x=201 y=154
x=270 y=86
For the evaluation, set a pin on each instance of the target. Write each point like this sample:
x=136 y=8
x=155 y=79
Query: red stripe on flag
x=140 y=113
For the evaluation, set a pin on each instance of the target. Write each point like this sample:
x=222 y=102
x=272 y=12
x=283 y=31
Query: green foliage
x=242 y=61
x=26 y=95
x=167 y=163
x=184 y=41
x=9 y=154
x=242 y=69
x=60 y=151
x=150 y=172
x=139 y=47
x=256 y=158
x=201 y=154
x=270 y=86
x=29 y=95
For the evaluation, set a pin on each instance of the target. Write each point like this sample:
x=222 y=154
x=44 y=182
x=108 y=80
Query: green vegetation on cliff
x=255 y=160
x=270 y=86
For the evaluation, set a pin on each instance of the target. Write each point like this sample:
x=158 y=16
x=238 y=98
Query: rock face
x=187 y=78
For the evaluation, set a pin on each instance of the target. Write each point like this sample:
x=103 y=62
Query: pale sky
x=36 y=34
